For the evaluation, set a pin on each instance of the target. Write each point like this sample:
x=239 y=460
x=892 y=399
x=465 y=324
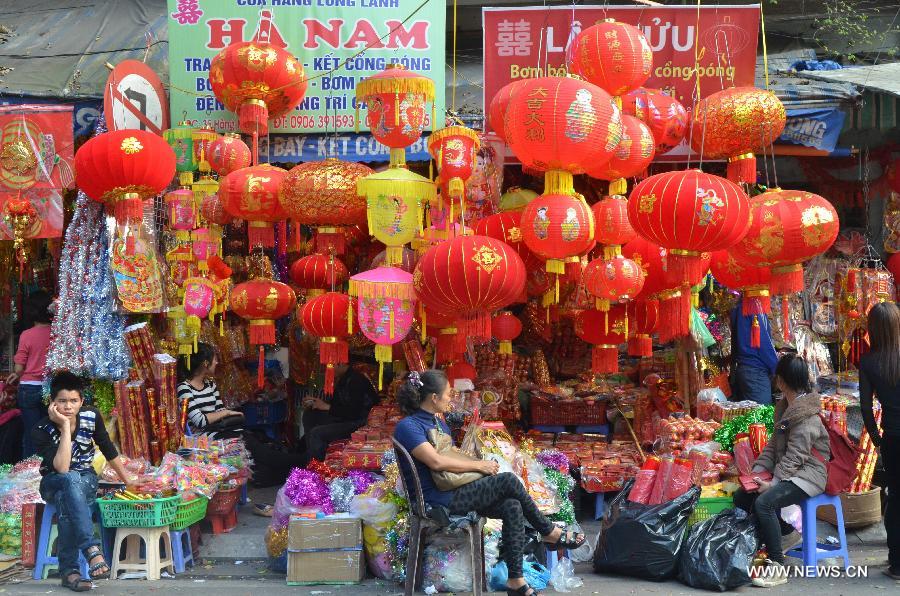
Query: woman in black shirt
x=879 y=373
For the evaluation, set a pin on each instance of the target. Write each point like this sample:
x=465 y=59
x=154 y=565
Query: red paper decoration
x=611 y=225
x=666 y=117
x=558 y=227
x=605 y=330
x=252 y=194
x=325 y=317
x=507 y=226
x=395 y=101
x=228 y=153
x=317 y=273
x=689 y=212
x=461 y=370
x=258 y=81
x=213 y=210
x=734 y=123
x=499 y=105
x=643 y=316
x=506 y=327
x=612 y=280
x=633 y=154
x=454 y=150
x=262 y=301
x=562 y=123
x=614 y=56
x=751 y=280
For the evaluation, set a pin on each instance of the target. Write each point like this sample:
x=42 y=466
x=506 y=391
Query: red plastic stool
x=222 y=524
x=221 y=512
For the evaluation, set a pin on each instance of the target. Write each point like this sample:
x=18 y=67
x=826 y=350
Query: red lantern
x=557 y=228
x=454 y=149
x=562 y=123
x=893 y=265
x=252 y=194
x=651 y=258
x=611 y=225
x=644 y=318
x=788 y=228
x=213 y=210
x=734 y=123
x=666 y=117
x=395 y=101
x=633 y=154
x=262 y=301
x=506 y=226
x=605 y=330
x=258 y=81
x=614 y=56
x=613 y=280
x=689 y=212
x=499 y=105
x=506 y=327
x=470 y=276
x=325 y=317
x=228 y=153
x=751 y=280
x=122 y=168
x=461 y=370
x=318 y=273
x=450 y=340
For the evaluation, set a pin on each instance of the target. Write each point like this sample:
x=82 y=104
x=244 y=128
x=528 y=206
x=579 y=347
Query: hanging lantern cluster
x=751 y=280
x=633 y=154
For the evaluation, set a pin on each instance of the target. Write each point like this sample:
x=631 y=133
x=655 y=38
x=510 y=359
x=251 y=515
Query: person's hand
x=12 y=378
x=762 y=485
x=489 y=467
x=55 y=416
x=319 y=404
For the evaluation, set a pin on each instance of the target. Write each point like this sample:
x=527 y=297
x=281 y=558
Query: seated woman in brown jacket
x=795 y=457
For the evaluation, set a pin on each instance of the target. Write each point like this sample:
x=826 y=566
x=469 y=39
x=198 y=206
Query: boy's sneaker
x=771 y=575
x=790 y=541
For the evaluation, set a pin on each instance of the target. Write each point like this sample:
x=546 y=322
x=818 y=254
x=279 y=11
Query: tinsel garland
x=87 y=336
x=342 y=491
x=553 y=458
x=4 y=469
x=729 y=430
x=563 y=483
x=362 y=480
x=307 y=489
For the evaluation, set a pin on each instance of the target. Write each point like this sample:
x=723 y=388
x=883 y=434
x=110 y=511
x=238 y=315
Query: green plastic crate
x=706 y=508
x=190 y=512
x=147 y=513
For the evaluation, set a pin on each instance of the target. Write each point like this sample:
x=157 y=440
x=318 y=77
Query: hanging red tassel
x=604 y=359
x=261 y=368
x=329 y=379
x=640 y=345
x=787 y=280
x=851 y=280
x=253 y=118
x=742 y=169
x=756 y=302
x=786 y=319
x=685 y=266
x=754 y=333
x=674 y=315
x=260 y=233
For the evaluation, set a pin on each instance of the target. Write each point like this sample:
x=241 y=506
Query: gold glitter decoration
x=735 y=121
x=18 y=158
x=130 y=145
x=325 y=193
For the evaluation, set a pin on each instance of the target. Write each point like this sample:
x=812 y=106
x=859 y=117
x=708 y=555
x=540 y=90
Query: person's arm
x=436 y=462
x=866 y=405
x=109 y=451
x=63 y=458
x=20 y=359
x=799 y=449
x=766 y=460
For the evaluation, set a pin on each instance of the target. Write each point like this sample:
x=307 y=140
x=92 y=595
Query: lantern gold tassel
x=383 y=354
x=619 y=186
x=423 y=321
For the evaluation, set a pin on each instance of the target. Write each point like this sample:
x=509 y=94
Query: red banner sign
x=721 y=40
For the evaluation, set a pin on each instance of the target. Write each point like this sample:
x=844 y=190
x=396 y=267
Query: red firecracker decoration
x=612 y=280
x=396 y=101
x=611 y=226
x=454 y=149
x=325 y=317
x=644 y=318
x=751 y=280
x=499 y=105
x=633 y=154
x=228 y=153
x=506 y=327
x=666 y=117
x=735 y=123
x=262 y=301
x=614 y=56
x=605 y=331
x=318 y=273
x=252 y=194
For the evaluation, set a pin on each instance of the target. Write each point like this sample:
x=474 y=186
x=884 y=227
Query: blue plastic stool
x=44 y=558
x=244 y=496
x=545 y=428
x=811 y=551
x=182 y=552
x=599 y=505
x=595 y=429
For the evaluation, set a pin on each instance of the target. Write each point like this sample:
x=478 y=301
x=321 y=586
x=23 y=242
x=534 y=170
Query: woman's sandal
x=76 y=583
x=567 y=541
x=99 y=570
x=525 y=590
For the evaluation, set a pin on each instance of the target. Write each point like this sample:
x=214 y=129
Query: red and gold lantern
x=643 y=316
x=507 y=226
x=228 y=153
x=558 y=228
x=735 y=123
x=506 y=327
x=318 y=273
x=499 y=105
x=262 y=301
x=666 y=117
x=751 y=280
x=612 y=280
x=182 y=212
x=212 y=209
x=396 y=101
x=325 y=317
x=611 y=226
x=454 y=149
x=450 y=340
x=605 y=331
x=633 y=154
x=252 y=194
x=614 y=56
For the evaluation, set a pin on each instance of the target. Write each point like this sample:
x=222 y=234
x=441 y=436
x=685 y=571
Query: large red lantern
x=735 y=123
x=751 y=280
x=644 y=318
x=228 y=153
x=325 y=317
x=395 y=101
x=499 y=105
x=470 y=276
x=666 y=117
x=454 y=149
x=506 y=327
x=605 y=331
x=689 y=212
x=122 y=168
x=633 y=154
x=258 y=81
x=651 y=258
x=562 y=123
x=318 y=273
x=558 y=228
x=614 y=56
x=611 y=225
x=612 y=280
x=262 y=301
x=252 y=194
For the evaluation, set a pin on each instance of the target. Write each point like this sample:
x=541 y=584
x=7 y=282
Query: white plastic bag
x=585 y=552
x=563 y=578
x=793 y=515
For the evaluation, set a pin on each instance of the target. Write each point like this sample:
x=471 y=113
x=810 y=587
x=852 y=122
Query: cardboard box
x=333 y=533
x=325 y=567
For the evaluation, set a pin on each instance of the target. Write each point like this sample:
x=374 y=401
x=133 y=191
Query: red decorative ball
x=666 y=117
x=557 y=227
x=611 y=225
x=614 y=56
x=499 y=105
x=318 y=272
x=228 y=153
x=633 y=154
x=613 y=280
x=252 y=194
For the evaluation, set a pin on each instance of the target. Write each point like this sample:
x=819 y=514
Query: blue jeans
x=753 y=383
x=31 y=401
x=73 y=495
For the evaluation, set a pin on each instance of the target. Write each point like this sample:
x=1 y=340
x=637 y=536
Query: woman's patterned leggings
x=503 y=497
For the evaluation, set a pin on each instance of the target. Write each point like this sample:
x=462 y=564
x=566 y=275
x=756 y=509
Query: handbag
x=443 y=444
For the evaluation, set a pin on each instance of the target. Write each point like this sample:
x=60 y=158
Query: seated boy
x=64 y=440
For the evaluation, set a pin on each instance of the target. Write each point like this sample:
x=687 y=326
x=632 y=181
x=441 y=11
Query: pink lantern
x=205 y=244
x=199 y=301
x=182 y=212
x=386 y=307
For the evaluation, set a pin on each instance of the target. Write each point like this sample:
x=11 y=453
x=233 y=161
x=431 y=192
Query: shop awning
x=882 y=78
x=799 y=92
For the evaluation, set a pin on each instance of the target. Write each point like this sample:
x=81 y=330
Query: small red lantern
x=557 y=228
x=651 y=258
x=612 y=280
x=507 y=226
x=454 y=149
x=605 y=330
x=506 y=327
x=213 y=210
x=252 y=194
x=395 y=101
x=666 y=117
x=734 y=123
x=182 y=212
x=614 y=56
x=633 y=154
x=228 y=153
x=461 y=370
x=611 y=225
x=689 y=212
x=325 y=317
x=644 y=317
x=499 y=105
x=258 y=81
x=751 y=280
x=262 y=301
x=318 y=273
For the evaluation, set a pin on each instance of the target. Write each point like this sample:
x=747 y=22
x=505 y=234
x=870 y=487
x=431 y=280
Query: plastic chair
x=811 y=551
x=152 y=562
x=182 y=551
x=45 y=560
x=420 y=524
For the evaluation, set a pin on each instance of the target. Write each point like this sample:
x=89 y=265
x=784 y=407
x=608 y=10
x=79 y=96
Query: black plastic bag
x=719 y=551
x=644 y=540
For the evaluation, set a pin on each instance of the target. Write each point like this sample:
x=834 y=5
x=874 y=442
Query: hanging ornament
x=199 y=303
x=644 y=318
x=318 y=274
x=605 y=331
x=611 y=280
x=20 y=217
x=666 y=117
x=181 y=139
x=499 y=105
x=506 y=327
x=507 y=226
x=228 y=153
x=516 y=199
x=395 y=100
x=633 y=154
x=325 y=317
x=252 y=194
x=751 y=280
x=614 y=56
x=454 y=150
x=182 y=212
x=611 y=226
x=205 y=244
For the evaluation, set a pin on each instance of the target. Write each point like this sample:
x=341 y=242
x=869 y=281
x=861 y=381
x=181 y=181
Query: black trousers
x=503 y=497
x=890 y=459
x=766 y=508
x=320 y=429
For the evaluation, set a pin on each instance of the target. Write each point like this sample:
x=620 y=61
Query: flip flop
x=263 y=510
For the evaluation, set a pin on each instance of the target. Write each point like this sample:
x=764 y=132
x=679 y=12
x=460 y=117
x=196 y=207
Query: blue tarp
x=814 y=127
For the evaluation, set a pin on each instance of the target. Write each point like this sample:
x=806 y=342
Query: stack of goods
x=518 y=366
x=368 y=443
x=610 y=467
x=578 y=448
x=678 y=433
x=730 y=430
x=564 y=406
x=834 y=409
x=724 y=411
x=324 y=550
x=18 y=490
x=497 y=395
x=865 y=465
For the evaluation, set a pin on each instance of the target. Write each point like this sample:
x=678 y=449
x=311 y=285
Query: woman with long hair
x=204 y=405
x=879 y=374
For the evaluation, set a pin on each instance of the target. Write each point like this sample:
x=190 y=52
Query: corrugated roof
x=58 y=48
x=884 y=78
x=797 y=92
